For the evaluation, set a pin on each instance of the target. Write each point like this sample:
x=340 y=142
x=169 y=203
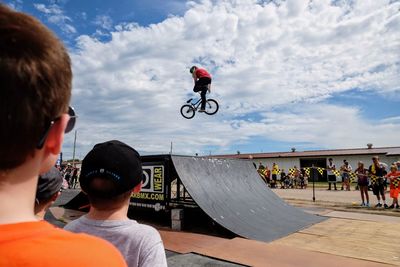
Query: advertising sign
x=152 y=194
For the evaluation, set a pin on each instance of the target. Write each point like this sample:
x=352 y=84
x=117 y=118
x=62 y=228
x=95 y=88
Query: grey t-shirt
x=140 y=244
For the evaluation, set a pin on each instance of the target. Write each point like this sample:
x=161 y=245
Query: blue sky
x=315 y=74
x=86 y=17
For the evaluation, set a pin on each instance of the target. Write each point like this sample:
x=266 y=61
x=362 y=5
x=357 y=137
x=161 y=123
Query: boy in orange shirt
x=394 y=176
x=35 y=79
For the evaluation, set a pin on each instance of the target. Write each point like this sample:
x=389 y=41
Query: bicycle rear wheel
x=211 y=106
x=187 y=111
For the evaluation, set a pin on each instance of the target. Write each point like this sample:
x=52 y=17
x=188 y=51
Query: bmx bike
x=189 y=109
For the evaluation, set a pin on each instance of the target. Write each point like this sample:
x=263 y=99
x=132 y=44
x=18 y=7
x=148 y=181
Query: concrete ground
x=352 y=236
x=335 y=200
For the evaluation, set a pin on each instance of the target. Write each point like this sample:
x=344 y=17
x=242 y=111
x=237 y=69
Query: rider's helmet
x=192 y=69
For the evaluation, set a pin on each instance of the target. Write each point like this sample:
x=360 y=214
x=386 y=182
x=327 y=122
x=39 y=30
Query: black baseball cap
x=114 y=161
x=49 y=183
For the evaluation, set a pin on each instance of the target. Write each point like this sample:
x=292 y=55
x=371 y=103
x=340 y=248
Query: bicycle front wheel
x=211 y=106
x=187 y=111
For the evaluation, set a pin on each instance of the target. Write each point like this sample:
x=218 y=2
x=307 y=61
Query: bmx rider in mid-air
x=202 y=84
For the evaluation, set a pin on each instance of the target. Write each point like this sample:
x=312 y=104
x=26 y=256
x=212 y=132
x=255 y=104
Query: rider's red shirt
x=200 y=73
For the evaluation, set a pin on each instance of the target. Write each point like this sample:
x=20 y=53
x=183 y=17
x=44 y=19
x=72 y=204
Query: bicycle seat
x=190 y=100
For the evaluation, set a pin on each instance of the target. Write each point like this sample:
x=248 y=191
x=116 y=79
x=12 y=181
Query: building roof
x=388 y=151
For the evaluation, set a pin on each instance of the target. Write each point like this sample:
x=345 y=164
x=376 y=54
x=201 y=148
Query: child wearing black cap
x=110 y=173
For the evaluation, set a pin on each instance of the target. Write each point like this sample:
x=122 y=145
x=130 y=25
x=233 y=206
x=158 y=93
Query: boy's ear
x=52 y=145
x=137 y=188
x=55 y=137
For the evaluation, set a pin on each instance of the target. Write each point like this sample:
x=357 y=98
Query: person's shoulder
x=86 y=249
x=67 y=238
x=92 y=250
x=46 y=243
x=73 y=224
x=147 y=229
x=148 y=232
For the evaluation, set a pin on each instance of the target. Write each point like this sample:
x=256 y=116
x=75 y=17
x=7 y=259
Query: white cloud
x=395 y=119
x=262 y=57
x=55 y=15
x=329 y=126
x=103 y=21
x=15 y=4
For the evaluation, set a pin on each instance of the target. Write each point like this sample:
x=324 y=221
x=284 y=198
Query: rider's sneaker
x=385 y=206
x=202 y=110
x=378 y=205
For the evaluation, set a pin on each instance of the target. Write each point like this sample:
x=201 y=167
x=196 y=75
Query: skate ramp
x=232 y=193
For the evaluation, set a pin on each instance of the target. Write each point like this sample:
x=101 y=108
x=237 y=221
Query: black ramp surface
x=232 y=194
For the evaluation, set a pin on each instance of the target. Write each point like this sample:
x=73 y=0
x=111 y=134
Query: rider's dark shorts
x=201 y=84
x=378 y=189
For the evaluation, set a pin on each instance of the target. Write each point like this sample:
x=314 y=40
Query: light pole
x=313 y=174
x=73 y=153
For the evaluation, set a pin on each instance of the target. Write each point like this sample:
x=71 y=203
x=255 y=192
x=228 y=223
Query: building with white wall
x=319 y=158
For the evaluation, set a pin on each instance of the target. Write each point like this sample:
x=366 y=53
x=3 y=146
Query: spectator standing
x=110 y=173
x=261 y=172
x=283 y=178
x=67 y=175
x=260 y=165
x=393 y=176
x=275 y=172
x=305 y=179
x=74 y=177
x=377 y=172
x=345 y=169
x=35 y=79
x=296 y=177
x=331 y=176
x=267 y=173
x=362 y=181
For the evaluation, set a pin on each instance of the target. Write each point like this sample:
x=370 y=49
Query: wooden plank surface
x=183 y=242
x=255 y=253
x=369 y=240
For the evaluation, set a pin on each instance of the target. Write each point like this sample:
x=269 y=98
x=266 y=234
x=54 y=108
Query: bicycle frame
x=195 y=105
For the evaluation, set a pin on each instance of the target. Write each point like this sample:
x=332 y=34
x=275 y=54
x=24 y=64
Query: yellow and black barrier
x=352 y=175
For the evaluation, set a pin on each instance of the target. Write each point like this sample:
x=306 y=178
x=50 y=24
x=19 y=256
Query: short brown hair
x=106 y=185
x=35 y=78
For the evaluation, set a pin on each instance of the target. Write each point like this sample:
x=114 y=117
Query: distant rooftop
x=388 y=151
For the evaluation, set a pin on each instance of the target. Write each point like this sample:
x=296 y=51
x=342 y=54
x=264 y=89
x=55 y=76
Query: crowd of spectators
x=379 y=178
x=279 y=178
x=70 y=175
